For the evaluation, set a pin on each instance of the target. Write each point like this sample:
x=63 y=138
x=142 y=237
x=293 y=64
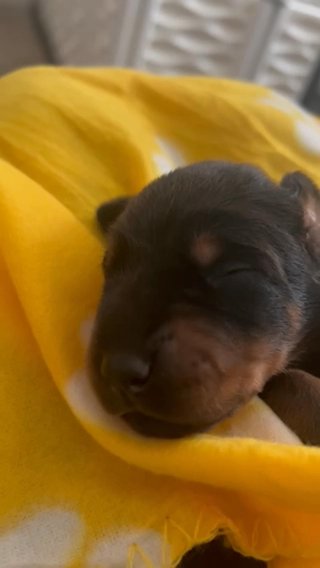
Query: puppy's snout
x=130 y=372
x=178 y=351
x=187 y=375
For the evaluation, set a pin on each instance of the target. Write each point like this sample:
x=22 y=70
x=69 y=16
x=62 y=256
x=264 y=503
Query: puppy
x=215 y=554
x=211 y=297
x=211 y=289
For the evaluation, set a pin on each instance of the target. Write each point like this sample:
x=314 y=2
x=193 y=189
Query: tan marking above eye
x=205 y=249
x=294 y=314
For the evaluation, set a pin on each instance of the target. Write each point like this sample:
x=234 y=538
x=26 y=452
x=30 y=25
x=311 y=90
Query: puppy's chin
x=154 y=428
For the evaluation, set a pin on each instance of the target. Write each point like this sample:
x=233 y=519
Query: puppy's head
x=206 y=278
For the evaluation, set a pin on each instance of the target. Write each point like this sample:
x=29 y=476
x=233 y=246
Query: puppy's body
x=211 y=290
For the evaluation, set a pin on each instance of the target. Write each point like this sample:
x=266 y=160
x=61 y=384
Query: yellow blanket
x=77 y=488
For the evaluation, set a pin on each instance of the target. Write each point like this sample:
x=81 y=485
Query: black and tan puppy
x=211 y=296
x=211 y=289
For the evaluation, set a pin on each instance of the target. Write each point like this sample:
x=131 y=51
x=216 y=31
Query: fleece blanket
x=77 y=488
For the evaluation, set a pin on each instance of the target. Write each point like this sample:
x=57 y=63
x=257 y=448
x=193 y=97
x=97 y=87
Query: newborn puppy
x=211 y=289
x=215 y=554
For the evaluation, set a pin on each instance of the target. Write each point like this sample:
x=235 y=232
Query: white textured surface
x=293 y=49
x=48 y=538
x=197 y=36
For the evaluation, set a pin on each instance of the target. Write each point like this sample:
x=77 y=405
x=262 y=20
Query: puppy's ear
x=108 y=212
x=300 y=187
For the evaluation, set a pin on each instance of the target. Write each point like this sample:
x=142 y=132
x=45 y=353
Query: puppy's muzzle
x=188 y=375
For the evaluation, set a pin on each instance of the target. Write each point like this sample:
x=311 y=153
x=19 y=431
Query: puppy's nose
x=128 y=372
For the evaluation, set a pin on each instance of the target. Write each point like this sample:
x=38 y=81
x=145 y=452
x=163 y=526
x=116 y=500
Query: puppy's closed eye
x=233 y=268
